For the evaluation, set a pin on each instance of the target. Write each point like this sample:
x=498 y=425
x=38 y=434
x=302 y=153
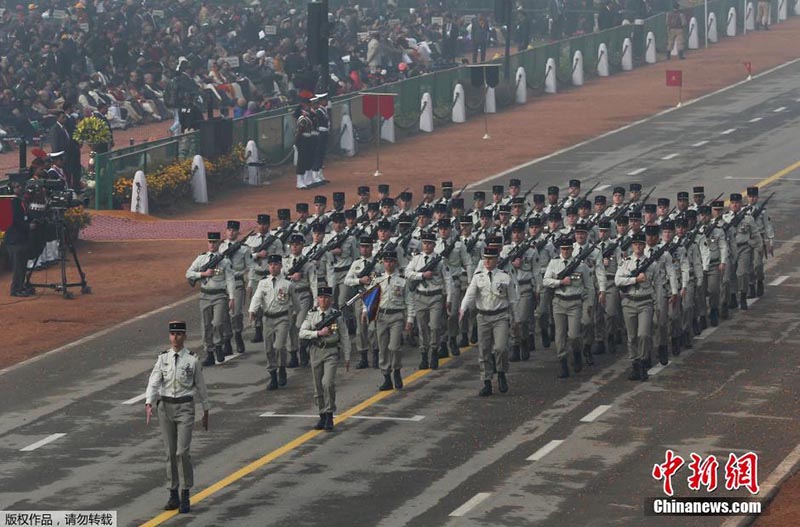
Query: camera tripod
x=65 y=243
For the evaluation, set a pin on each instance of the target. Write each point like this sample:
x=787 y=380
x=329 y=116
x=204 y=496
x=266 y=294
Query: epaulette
x=191 y=353
x=163 y=352
x=313 y=309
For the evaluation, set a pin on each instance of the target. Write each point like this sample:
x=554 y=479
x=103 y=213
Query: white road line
x=415 y=419
x=601 y=188
x=135 y=399
x=549 y=447
x=779 y=110
x=700 y=143
x=656 y=369
x=471 y=504
x=755 y=119
x=594 y=414
x=637 y=171
x=751 y=301
x=728 y=131
x=779 y=280
x=670 y=156
x=707 y=333
x=48 y=439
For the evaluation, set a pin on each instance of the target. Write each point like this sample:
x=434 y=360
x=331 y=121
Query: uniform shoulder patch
x=163 y=352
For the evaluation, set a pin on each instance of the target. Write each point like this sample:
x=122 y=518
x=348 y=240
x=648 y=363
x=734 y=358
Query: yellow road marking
x=291 y=445
x=777 y=175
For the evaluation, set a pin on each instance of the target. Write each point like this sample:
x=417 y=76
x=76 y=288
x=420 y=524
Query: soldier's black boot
x=663 y=355
x=281 y=376
x=599 y=347
x=486 y=390
x=502 y=383
x=329 y=422
x=174 y=502
x=563 y=369
x=227 y=348
x=647 y=363
x=725 y=312
x=423 y=363
x=473 y=339
x=636 y=369
x=545 y=338
x=734 y=302
x=643 y=372
x=434 y=360
x=464 y=341
x=760 y=288
x=696 y=326
x=304 y=356
x=577 y=361
x=676 y=346
x=454 y=350
x=259 y=335
x=713 y=317
x=387 y=383
x=618 y=338
x=184 y=506
x=743 y=302
x=751 y=291
x=398 y=380
x=293 y=362
x=687 y=340
x=273 y=381
x=443 y=353
x=587 y=352
x=514 y=354
x=239 y=343
x=364 y=362
x=525 y=349
x=209 y=360
x=321 y=423
x=375 y=359
x=219 y=354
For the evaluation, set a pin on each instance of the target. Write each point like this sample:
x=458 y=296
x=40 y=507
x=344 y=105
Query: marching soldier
x=543 y=295
x=493 y=294
x=328 y=343
x=431 y=284
x=522 y=269
x=272 y=298
x=595 y=298
x=242 y=263
x=538 y=208
x=320 y=215
x=691 y=254
x=698 y=197
x=217 y=294
x=363 y=265
x=317 y=257
x=338 y=261
x=617 y=203
x=552 y=201
x=176 y=379
x=635 y=194
x=666 y=284
x=302 y=273
x=478 y=203
x=681 y=206
x=569 y=294
x=767 y=232
x=498 y=196
x=395 y=314
x=680 y=262
x=716 y=228
x=363 y=201
x=744 y=239
x=428 y=197
x=262 y=244
x=447 y=193
x=301 y=223
x=607 y=318
x=638 y=293
x=474 y=247
x=457 y=262
x=514 y=189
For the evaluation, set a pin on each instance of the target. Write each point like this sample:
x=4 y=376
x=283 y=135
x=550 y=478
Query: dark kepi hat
x=274 y=258
x=365 y=240
x=667 y=225
x=621 y=220
x=297 y=238
x=639 y=237
x=263 y=219
x=478 y=195
x=424 y=211
x=301 y=207
x=373 y=206
x=494 y=240
x=176 y=326
x=428 y=189
x=384 y=225
x=698 y=190
x=504 y=209
x=363 y=189
x=214 y=236
x=518 y=225
x=486 y=213
x=572 y=210
x=735 y=196
x=444 y=224
x=538 y=198
x=604 y=224
x=447 y=185
x=691 y=214
x=619 y=190
x=635 y=215
x=680 y=222
x=387 y=202
x=718 y=204
x=465 y=220
x=518 y=201
x=683 y=195
x=233 y=224
x=338 y=196
x=651 y=230
x=704 y=209
x=383 y=188
x=565 y=241
x=663 y=202
x=337 y=217
x=349 y=214
x=427 y=237
x=752 y=191
x=491 y=252
x=650 y=207
x=390 y=255
x=514 y=183
x=440 y=207
x=319 y=199
x=574 y=183
x=324 y=291
x=635 y=187
x=318 y=227
x=457 y=203
x=584 y=204
x=535 y=221
x=284 y=214
x=554 y=216
x=406 y=196
x=497 y=189
x=581 y=226
x=600 y=199
x=553 y=191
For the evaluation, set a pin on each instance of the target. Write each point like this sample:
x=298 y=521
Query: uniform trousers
x=324 y=362
x=389 y=328
x=216 y=320
x=301 y=303
x=638 y=316
x=176 y=422
x=493 y=343
x=567 y=315
x=523 y=311
x=275 y=331
x=429 y=310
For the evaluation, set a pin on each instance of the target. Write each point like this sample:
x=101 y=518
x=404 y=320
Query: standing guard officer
x=217 y=286
x=638 y=294
x=258 y=269
x=242 y=263
x=177 y=377
x=327 y=344
x=493 y=293
x=302 y=277
x=323 y=120
x=304 y=143
x=272 y=297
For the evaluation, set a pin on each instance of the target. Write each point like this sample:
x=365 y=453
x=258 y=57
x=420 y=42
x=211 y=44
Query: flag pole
x=485 y=115
x=378 y=152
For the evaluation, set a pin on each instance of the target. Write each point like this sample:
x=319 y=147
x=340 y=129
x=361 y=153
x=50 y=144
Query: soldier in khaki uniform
x=638 y=294
x=302 y=275
x=767 y=232
x=395 y=314
x=365 y=336
x=217 y=293
x=242 y=263
x=493 y=294
x=327 y=345
x=522 y=270
x=262 y=244
x=690 y=256
x=569 y=294
x=718 y=257
x=596 y=289
x=177 y=377
x=273 y=299
x=607 y=317
x=666 y=285
x=457 y=262
x=744 y=239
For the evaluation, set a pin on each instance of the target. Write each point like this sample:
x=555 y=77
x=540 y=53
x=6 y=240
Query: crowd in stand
x=119 y=56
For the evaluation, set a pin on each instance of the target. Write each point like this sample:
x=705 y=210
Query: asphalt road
x=436 y=446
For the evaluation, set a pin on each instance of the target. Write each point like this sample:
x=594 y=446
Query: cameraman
x=17 y=241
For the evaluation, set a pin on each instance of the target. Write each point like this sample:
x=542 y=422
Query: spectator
x=480 y=38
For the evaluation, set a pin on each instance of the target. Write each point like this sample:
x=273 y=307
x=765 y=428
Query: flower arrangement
x=92 y=130
x=77 y=218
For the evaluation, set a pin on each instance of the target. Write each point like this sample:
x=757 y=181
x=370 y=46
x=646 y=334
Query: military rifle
x=513 y=254
x=759 y=207
x=215 y=260
x=575 y=262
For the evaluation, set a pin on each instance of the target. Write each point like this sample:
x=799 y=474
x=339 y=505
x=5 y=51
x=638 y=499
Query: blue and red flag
x=372 y=300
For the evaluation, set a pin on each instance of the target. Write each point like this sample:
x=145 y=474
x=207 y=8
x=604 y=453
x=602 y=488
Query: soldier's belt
x=302 y=290
x=569 y=297
x=641 y=298
x=493 y=312
x=742 y=244
x=177 y=400
x=433 y=292
x=390 y=311
x=610 y=276
x=341 y=269
x=277 y=315
x=261 y=273
x=208 y=291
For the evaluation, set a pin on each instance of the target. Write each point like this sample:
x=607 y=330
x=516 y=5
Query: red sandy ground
x=133 y=277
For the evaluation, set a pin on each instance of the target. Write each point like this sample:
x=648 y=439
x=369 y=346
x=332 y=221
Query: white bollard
x=783 y=11
x=550 y=76
x=712 y=28
x=522 y=86
x=426 y=113
x=347 y=143
x=602 y=61
x=750 y=17
x=626 y=22
x=490 y=105
x=650 y=48
x=577 y=69
x=387 y=129
x=627 y=55
x=251 y=156
x=199 y=185
x=797 y=7
x=731 y=29
x=694 y=35
x=139 y=203
x=459 y=106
